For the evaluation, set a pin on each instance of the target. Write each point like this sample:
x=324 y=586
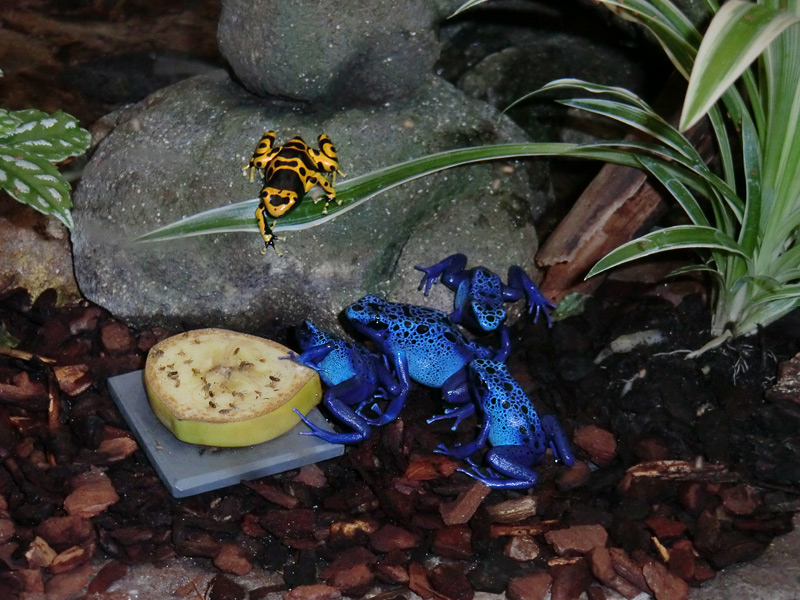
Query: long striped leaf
x=467 y=6
x=645 y=121
x=680 y=237
x=353 y=192
x=350 y=192
x=737 y=35
x=677 y=188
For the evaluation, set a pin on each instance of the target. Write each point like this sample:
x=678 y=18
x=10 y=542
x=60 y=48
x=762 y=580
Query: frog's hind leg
x=264 y=153
x=451 y=270
x=511 y=462
x=326 y=158
x=338 y=400
x=313 y=179
x=555 y=435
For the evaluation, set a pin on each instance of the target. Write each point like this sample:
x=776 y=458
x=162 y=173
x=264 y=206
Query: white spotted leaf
x=30 y=142
x=55 y=137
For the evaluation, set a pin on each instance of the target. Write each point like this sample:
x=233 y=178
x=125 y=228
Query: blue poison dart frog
x=354 y=377
x=480 y=294
x=291 y=170
x=424 y=345
x=517 y=436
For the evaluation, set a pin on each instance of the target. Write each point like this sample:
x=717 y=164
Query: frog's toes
x=442 y=449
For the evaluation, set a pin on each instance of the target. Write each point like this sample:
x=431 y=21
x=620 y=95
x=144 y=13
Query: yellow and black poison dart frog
x=290 y=171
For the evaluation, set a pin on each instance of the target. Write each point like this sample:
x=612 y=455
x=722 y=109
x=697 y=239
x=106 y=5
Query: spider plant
x=744 y=74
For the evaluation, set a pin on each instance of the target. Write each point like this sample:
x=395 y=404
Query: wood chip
x=464 y=506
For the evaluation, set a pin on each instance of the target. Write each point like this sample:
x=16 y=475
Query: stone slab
x=189 y=469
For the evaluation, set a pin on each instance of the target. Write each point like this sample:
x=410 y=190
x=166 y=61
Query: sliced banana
x=222 y=388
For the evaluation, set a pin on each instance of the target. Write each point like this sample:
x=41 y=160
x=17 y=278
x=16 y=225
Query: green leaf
x=737 y=35
x=678 y=190
x=36 y=182
x=693 y=237
x=467 y=6
x=644 y=120
x=350 y=192
x=570 y=306
x=751 y=167
x=572 y=84
x=54 y=137
x=8 y=122
x=674 y=32
x=30 y=142
x=6 y=339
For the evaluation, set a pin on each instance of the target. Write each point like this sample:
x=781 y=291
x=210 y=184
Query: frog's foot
x=458 y=413
x=498 y=482
x=518 y=280
x=540 y=304
x=382 y=418
x=293 y=356
x=331 y=437
x=555 y=436
x=461 y=451
x=508 y=468
x=430 y=277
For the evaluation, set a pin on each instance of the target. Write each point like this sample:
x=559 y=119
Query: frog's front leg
x=451 y=270
x=519 y=285
x=312 y=356
x=401 y=383
x=264 y=227
x=510 y=461
x=505 y=345
x=468 y=449
x=455 y=390
x=459 y=413
x=555 y=436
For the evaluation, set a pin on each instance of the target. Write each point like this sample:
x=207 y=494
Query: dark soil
x=699 y=469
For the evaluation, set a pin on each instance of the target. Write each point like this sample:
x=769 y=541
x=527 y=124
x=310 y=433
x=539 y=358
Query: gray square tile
x=188 y=469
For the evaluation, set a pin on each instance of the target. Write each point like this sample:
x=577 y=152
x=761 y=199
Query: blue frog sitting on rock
x=480 y=294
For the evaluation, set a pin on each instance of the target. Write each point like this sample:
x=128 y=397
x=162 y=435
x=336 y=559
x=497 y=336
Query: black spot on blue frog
x=424 y=345
x=355 y=377
x=480 y=294
x=517 y=435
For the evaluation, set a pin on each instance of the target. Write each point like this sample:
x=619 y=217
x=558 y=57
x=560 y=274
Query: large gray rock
x=181 y=151
x=328 y=52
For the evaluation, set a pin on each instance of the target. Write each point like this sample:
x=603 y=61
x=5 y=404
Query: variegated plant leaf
x=36 y=182
x=30 y=142
x=54 y=137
